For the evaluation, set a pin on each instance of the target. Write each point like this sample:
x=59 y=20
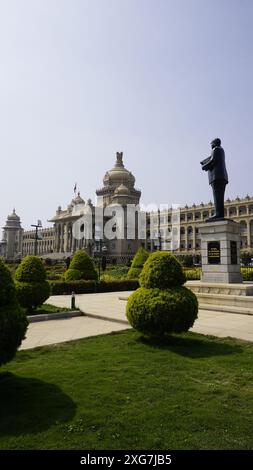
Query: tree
x=13 y=321
x=137 y=264
x=81 y=268
x=31 y=284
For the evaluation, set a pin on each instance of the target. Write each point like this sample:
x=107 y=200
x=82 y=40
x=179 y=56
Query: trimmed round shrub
x=137 y=264
x=13 y=321
x=73 y=275
x=31 y=284
x=161 y=305
x=162 y=271
x=156 y=312
x=81 y=268
x=31 y=269
x=32 y=294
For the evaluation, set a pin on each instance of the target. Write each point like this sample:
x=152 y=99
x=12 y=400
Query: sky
x=156 y=79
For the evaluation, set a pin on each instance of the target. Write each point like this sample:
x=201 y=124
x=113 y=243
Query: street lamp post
x=37 y=226
x=102 y=250
x=159 y=230
x=159 y=240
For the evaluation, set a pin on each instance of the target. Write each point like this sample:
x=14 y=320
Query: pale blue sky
x=156 y=79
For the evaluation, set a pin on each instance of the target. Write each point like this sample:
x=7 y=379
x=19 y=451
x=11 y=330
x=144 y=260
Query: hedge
x=195 y=274
x=247 y=274
x=88 y=287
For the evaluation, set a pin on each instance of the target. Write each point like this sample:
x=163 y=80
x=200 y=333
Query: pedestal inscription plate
x=213 y=252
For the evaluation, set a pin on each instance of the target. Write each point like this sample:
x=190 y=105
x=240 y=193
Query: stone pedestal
x=220 y=250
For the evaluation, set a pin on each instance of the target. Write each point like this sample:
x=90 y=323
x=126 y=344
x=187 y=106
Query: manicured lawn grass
x=48 y=308
x=122 y=392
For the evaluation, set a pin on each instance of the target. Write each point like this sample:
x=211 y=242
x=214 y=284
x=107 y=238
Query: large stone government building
x=119 y=189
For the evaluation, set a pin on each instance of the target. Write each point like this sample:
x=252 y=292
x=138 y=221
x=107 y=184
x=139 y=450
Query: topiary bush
x=81 y=268
x=162 y=305
x=31 y=269
x=31 y=284
x=163 y=271
x=13 y=321
x=159 y=311
x=140 y=258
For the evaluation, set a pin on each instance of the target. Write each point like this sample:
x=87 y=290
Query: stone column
x=66 y=234
x=58 y=238
x=69 y=237
x=62 y=238
x=248 y=234
x=193 y=238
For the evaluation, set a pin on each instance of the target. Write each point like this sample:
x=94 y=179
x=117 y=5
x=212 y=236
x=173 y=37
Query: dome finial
x=119 y=159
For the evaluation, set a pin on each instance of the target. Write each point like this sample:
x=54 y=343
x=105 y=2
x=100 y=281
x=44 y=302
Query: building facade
x=187 y=220
x=45 y=241
x=70 y=225
x=77 y=226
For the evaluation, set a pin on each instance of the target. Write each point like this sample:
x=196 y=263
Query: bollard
x=73 y=300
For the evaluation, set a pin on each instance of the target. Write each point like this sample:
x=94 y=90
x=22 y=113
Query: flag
x=75 y=189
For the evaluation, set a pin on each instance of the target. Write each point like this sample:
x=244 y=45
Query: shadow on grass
x=29 y=405
x=192 y=347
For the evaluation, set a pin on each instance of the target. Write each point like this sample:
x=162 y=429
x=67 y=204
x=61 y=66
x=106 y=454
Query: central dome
x=119 y=174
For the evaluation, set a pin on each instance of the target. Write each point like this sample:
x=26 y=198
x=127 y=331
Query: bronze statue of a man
x=218 y=177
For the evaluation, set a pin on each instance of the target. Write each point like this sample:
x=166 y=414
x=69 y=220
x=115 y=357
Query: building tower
x=116 y=197
x=11 y=246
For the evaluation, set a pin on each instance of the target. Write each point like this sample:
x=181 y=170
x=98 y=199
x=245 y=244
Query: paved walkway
x=106 y=313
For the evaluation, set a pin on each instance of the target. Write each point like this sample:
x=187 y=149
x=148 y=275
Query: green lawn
x=119 y=391
x=48 y=308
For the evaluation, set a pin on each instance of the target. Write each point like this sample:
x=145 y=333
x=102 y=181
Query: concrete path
x=106 y=313
x=57 y=331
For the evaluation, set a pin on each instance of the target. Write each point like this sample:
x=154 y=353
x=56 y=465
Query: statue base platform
x=221 y=297
x=220 y=251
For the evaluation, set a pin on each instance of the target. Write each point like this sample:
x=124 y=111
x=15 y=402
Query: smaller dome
x=13 y=216
x=78 y=199
x=122 y=190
